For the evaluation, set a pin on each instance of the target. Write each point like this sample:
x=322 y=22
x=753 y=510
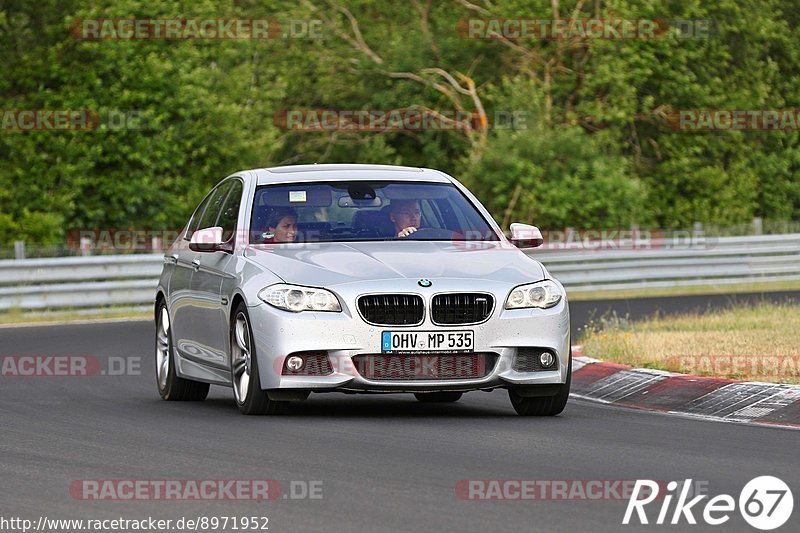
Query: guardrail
x=79 y=282
x=130 y=280
x=724 y=260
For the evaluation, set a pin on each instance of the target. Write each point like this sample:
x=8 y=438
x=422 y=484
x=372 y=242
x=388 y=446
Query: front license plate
x=427 y=341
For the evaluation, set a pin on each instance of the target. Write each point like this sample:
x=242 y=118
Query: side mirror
x=207 y=240
x=526 y=236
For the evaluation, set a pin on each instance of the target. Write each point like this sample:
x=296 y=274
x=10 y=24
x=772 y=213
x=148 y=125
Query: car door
x=209 y=278
x=180 y=298
x=194 y=317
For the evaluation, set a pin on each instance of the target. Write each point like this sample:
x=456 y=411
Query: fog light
x=546 y=359
x=295 y=363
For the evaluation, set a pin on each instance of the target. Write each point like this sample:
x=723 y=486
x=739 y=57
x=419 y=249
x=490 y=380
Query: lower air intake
x=389 y=367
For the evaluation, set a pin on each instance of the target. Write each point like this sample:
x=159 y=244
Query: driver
x=406 y=216
x=282 y=226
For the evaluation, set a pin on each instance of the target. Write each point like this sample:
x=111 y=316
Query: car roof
x=346 y=172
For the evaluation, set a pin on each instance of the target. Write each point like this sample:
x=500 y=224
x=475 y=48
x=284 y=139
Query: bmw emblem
x=424 y=282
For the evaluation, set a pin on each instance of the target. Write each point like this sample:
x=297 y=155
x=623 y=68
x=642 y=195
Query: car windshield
x=365 y=211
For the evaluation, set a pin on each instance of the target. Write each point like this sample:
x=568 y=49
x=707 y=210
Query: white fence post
x=758 y=226
x=86 y=246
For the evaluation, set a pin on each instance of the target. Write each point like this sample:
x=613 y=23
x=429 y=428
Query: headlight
x=542 y=295
x=294 y=298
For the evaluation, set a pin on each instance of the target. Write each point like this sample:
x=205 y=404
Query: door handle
x=174 y=258
x=196 y=264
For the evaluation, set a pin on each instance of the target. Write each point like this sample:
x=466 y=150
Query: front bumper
x=278 y=334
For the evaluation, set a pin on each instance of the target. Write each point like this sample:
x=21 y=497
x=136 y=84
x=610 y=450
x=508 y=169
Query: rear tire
x=438 y=397
x=543 y=405
x=171 y=387
x=250 y=398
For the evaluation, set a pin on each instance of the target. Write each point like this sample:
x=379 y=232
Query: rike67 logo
x=765 y=503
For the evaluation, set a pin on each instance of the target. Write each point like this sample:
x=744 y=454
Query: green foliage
x=589 y=147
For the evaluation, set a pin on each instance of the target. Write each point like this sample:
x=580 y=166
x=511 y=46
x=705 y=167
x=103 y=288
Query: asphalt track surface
x=386 y=463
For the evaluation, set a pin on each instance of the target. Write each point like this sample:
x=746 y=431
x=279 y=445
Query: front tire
x=438 y=397
x=250 y=398
x=543 y=405
x=171 y=387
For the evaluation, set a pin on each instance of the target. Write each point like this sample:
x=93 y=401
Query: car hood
x=328 y=264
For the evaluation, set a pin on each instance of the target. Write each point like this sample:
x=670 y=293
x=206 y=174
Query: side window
x=230 y=211
x=429 y=217
x=196 y=218
x=214 y=207
x=452 y=218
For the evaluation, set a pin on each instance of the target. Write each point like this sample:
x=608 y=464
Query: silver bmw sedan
x=357 y=278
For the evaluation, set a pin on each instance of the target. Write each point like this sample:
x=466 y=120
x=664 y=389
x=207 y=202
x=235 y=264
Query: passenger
x=282 y=226
x=406 y=216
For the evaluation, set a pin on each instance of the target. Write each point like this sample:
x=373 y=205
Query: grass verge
x=756 y=343
x=18 y=317
x=619 y=294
